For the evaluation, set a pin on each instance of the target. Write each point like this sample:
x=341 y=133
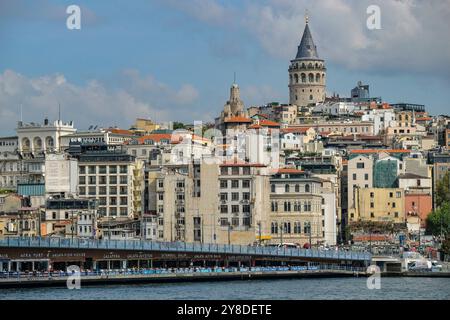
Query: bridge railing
x=36 y=275
x=49 y=242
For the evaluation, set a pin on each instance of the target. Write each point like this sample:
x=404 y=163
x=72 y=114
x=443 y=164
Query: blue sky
x=174 y=60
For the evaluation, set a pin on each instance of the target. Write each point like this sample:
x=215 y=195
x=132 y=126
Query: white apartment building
x=115 y=179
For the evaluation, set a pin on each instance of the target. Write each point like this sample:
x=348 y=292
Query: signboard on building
x=60 y=174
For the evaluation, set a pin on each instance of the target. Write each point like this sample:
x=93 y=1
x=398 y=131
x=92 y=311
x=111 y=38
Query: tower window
x=310 y=97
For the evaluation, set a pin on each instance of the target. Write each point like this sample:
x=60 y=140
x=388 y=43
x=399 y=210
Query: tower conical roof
x=307 y=49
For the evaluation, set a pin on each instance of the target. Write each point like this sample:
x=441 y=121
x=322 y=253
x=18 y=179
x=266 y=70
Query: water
x=286 y=289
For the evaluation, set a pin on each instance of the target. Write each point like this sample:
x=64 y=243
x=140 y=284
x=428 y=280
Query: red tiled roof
x=288 y=170
x=238 y=119
x=295 y=130
x=424 y=119
x=268 y=123
x=373 y=237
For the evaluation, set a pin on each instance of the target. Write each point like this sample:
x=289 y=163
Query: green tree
x=178 y=125
x=443 y=190
x=439 y=220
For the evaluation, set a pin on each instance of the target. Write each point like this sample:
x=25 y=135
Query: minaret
x=307 y=72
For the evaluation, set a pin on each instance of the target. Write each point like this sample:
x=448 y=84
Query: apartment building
x=71 y=218
x=116 y=179
x=379 y=204
x=296 y=214
x=342 y=127
x=210 y=202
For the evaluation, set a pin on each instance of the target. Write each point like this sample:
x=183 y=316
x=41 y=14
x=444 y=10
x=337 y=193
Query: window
x=246 y=170
x=235 y=171
x=112 y=179
x=224 y=171
x=235 y=221
x=92 y=169
x=274 y=206
x=246 y=196
x=82 y=170
x=393 y=204
x=102 y=190
x=274 y=228
x=123 y=201
x=354 y=176
x=235 y=209
x=372 y=195
x=123 y=190
x=366 y=176
x=102 y=180
x=113 y=169
x=102 y=169
x=307 y=188
x=224 y=196
x=223 y=209
x=82 y=180
x=297 y=188
x=223 y=184
x=223 y=222
x=245 y=183
x=360 y=165
x=112 y=190
x=272 y=188
x=372 y=215
x=399 y=194
x=160 y=183
x=92 y=179
x=246 y=221
x=372 y=205
x=246 y=208
x=234 y=184
x=287 y=206
x=391 y=195
x=235 y=196
x=396 y=214
x=123 y=169
x=286 y=188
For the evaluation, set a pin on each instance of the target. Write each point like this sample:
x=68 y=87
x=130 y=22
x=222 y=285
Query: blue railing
x=152 y=271
x=210 y=248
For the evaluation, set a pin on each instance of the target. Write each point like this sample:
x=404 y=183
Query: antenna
x=234 y=79
x=59 y=111
x=306 y=16
x=21 y=113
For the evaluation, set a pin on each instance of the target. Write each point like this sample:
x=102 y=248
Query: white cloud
x=413 y=38
x=92 y=103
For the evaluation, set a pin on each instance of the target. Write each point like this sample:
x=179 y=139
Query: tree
x=178 y=125
x=439 y=220
x=443 y=190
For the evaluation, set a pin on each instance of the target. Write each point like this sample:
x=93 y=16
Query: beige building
x=296 y=214
x=359 y=176
x=210 y=203
x=380 y=204
x=144 y=126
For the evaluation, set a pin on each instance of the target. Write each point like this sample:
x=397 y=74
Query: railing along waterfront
x=192 y=270
x=210 y=248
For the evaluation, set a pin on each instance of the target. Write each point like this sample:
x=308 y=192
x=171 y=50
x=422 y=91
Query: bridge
x=46 y=254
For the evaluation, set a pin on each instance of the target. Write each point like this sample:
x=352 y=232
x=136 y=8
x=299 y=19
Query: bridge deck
x=182 y=247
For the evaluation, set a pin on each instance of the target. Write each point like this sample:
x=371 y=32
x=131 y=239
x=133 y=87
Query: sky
x=174 y=60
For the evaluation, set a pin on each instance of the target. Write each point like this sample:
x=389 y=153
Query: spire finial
x=306 y=16
x=234 y=79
